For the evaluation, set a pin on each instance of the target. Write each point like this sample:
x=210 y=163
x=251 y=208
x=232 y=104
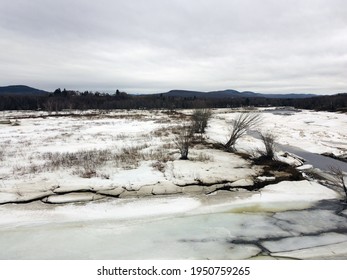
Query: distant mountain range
x=230 y=93
x=20 y=90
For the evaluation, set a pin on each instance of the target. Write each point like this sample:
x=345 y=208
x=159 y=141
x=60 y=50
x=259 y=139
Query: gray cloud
x=155 y=45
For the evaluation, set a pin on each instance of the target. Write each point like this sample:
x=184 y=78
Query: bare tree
x=239 y=127
x=183 y=141
x=48 y=105
x=269 y=143
x=339 y=178
x=200 y=118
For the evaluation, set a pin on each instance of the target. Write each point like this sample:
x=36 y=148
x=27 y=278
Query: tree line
x=64 y=100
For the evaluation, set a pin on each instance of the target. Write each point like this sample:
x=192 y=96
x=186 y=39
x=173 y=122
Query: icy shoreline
x=229 y=225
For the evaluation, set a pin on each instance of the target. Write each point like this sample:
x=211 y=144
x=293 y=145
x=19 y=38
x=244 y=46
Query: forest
x=70 y=100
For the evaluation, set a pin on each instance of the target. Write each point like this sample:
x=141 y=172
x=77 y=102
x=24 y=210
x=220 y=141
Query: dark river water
x=317 y=160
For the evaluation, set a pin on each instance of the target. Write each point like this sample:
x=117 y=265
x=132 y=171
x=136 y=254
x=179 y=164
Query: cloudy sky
x=146 y=46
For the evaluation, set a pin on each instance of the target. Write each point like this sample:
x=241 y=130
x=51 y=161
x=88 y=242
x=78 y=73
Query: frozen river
x=191 y=228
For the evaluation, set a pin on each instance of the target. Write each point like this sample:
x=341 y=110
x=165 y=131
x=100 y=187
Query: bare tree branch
x=183 y=141
x=239 y=127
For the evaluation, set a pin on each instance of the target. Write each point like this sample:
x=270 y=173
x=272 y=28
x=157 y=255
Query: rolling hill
x=20 y=90
x=230 y=93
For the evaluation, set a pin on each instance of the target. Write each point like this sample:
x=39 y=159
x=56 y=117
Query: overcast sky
x=147 y=46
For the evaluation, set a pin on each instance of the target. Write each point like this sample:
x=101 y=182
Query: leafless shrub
x=338 y=178
x=268 y=140
x=200 y=118
x=239 y=127
x=183 y=141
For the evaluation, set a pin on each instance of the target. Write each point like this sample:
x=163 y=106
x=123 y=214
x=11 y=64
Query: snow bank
x=116 y=210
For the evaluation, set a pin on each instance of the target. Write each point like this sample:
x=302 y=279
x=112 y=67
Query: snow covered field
x=99 y=185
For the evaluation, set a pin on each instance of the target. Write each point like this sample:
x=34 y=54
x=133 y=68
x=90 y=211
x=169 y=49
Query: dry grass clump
x=32 y=168
x=127 y=157
x=84 y=162
x=163 y=155
x=159 y=165
x=160 y=157
x=87 y=158
x=89 y=163
x=202 y=157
